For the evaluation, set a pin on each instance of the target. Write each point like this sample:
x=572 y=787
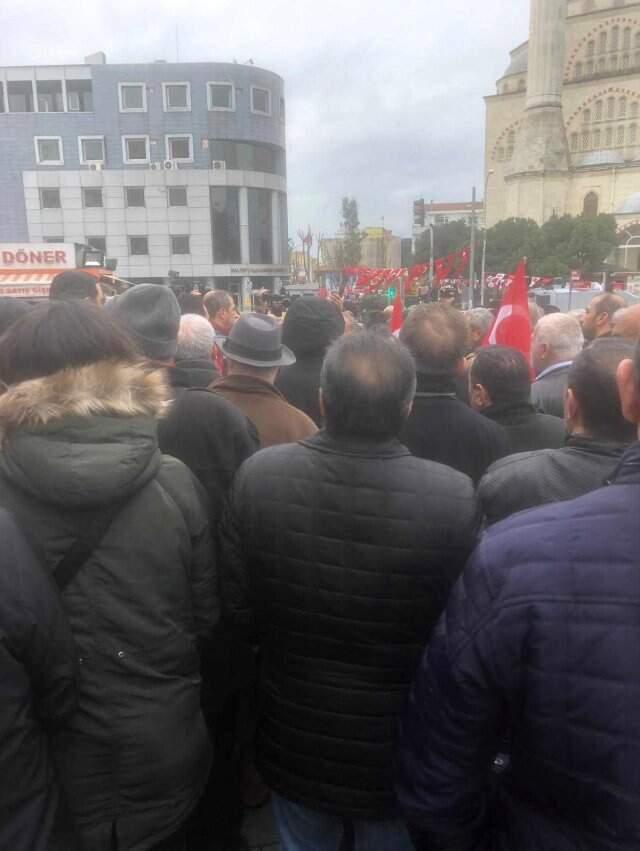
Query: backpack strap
x=80 y=551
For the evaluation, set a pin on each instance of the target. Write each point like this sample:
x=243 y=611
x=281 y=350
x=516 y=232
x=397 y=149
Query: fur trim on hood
x=108 y=388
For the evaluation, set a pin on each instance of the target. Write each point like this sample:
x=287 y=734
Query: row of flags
x=452 y=266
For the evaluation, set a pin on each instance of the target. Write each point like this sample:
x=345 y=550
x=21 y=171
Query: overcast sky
x=384 y=99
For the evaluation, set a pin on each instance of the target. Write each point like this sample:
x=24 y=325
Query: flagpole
x=472 y=261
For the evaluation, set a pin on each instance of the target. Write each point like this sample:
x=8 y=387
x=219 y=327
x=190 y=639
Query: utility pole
x=484 y=264
x=472 y=259
x=431 y=243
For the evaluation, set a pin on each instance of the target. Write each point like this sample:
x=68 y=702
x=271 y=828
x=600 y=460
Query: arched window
x=602 y=65
x=586 y=141
x=590 y=205
x=599 y=110
x=589 y=68
x=613 y=62
x=620 y=136
x=591 y=48
x=611 y=107
x=596 y=139
x=609 y=137
x=626 y=38
x=634 y=109
x=602 y=42
x=500 y=154
x=578 y=71
x=622 y=108
x=615 y=37
x=625 y=60
x=586 y=116
x=574 y=142
x=511 y=143
x=633 y=134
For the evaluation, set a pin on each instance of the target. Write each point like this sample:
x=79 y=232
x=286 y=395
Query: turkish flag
x=397 y=317
x=512 y=325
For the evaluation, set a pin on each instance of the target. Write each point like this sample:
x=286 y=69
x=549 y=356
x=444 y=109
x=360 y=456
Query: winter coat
x=196 y=372
x=134 y=759
x=309 y=328
x=442 y=428
x=530 y=479
x=338 y=556
x=37 y=692
x=526 y=429
x=548 y=392
x=276 y=421
x=542 y=637
x=208 y=434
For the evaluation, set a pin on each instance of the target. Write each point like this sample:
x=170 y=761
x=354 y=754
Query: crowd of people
x=390 y=583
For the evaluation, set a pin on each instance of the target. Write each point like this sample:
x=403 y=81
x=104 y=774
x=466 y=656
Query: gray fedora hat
x=256 y=340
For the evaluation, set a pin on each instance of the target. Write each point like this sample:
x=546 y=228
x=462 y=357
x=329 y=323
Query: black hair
x=191 y=303
x=60 y=335
x=592 y=378
x=74 y=286
x=367 y=381
x=11 y=309
x=504 y=372
x=437 y=337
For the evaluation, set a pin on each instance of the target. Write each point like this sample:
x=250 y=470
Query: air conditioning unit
x=218 y=165
x=96 y=165
x=156 y=166
x=170 y=165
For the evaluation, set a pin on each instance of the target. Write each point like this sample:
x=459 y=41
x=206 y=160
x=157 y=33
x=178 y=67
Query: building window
x=98 y=242
x=578 y=70
x=622 y=108
x=596 y=139
x=135 y=149
x=586 y=138
x=222 y=97
x=79 y=95
x=589 y=68
x=248 y=156
x=613 y=63
x=591 y=48
x=91 y=197
x=599 y=110
x=49 y=94
x=626 y=38
x=138 y=245
x=134 y=196
x=179 y=148
x=50 y=199
x=615 y=37
x=602 y=65
x=590 y=205
x=260 y=101
x=620 y=136
x=633 y=134
x=260 y=226
x=625 y=60
x=611 y=107
x=177 y=196
x=49 y=150
x=609 y=137
x=602 y=42
x=177 y=97
x=225 y=223
x=180 y=245
x=634 y=109
x=574 y=142
x=20 y=96
x=586 y=116
x=133 y=97
x=283 y=113
x=91 y=149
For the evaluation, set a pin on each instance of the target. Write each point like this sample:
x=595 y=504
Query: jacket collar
x=564 y=366
x=322 y=441
x=510 y=412
x=247 y=384
x=628 y=471
x=435 y=385
x=596 y=447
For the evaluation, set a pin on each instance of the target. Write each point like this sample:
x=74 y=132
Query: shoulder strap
x=91 y=535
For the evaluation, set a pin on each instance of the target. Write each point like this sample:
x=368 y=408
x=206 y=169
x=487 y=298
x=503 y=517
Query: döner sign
x=34 y=256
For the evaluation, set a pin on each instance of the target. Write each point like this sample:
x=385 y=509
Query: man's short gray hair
x=195 y=337
x=562 y=333
x=480 y=319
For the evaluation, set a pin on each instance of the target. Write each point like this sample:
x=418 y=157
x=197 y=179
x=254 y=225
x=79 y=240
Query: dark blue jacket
x=541 y=637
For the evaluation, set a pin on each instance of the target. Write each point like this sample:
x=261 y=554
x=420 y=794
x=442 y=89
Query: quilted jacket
x=339 y=556
x=541 y=637
x=548 y=392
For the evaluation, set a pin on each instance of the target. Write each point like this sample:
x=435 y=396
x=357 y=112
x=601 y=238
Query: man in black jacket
x=598 y=437
x=37 y=692
x=338 y=554
x=500 y=385
x=440 y=427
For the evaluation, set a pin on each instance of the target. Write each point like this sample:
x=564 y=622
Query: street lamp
x=484 y=240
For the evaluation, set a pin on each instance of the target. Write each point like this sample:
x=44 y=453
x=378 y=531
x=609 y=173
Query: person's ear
x=629 y=391
x=571 y=410
x=480 y=399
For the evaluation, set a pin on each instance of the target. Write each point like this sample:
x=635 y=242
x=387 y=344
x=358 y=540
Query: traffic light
x=419 y=212
x=392 y=292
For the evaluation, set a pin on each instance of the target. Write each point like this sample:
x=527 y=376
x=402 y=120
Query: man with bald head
x=557 y=340
x=598 y=320
x=626 y=323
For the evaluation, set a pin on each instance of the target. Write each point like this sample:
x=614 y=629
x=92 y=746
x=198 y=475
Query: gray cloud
x=384 y=100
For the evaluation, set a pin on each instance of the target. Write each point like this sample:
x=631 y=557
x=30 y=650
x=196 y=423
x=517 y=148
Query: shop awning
x=26 y=284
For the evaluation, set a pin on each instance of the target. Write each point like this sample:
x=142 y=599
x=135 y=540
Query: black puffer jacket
x=309 y=328
x=529 y=479
x=37 y=692
x=340 y=556
x=526 y=429
x=135 y=757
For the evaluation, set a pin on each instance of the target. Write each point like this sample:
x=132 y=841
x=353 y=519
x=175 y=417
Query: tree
x=508 y=242
x=349 y=246
x=447 y=239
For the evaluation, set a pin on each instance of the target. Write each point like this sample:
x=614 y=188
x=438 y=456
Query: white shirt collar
x=553 y=368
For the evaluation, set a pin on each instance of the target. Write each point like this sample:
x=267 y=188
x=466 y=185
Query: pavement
x=260 y=830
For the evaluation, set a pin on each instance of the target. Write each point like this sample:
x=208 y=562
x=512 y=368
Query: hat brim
x=287 y=357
